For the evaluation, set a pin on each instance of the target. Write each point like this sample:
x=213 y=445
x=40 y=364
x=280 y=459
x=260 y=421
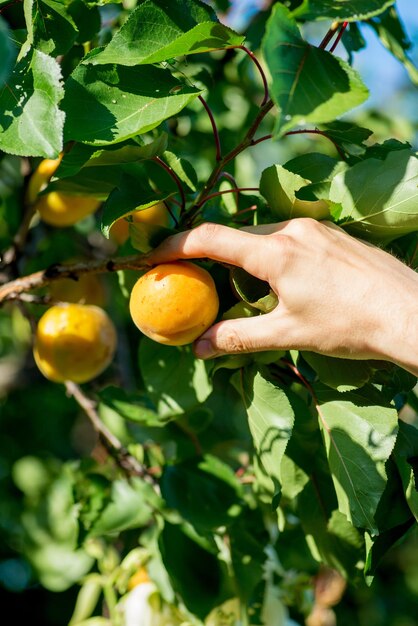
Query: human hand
x=338 y=295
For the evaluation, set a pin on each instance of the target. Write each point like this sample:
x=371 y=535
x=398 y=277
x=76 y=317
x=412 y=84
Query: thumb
x=250 y=334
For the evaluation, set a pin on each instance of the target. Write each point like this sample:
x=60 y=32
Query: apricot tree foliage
x=230 y=481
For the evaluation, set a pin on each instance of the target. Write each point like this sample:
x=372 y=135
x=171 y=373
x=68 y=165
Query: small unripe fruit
x=60 y=209
x=156 y=215
x=174 y=303
x=74 y=342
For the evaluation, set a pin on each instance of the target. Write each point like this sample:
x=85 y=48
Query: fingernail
x=204 y=349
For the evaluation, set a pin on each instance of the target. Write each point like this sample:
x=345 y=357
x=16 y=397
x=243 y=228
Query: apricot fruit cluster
x=174 y=303
x=74 y=342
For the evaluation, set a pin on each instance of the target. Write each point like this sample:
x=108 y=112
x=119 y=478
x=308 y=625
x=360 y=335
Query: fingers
x=243 y=335
x=217 y=242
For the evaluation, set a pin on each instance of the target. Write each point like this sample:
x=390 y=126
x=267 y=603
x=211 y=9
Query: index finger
x=217 y=242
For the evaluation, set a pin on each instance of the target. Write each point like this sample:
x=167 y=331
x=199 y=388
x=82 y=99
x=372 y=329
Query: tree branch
x=127 y=463
x=12 y=289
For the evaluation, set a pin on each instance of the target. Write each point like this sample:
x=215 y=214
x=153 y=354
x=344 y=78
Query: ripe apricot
x=174 y=303
x=74 y=342
x=88 y=289
x=60 y=209
x=156 y=215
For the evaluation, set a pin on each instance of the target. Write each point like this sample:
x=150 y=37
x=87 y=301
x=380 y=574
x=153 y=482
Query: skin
x=338 y=295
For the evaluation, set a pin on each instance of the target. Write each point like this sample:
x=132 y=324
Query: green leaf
x=271 y=418
x=108 y=104
x=279 y=186
x=377 y=547
x=131 y=192
x=347 y=10
x=6 y=52
x=92 y=181
x=359 y=430
x=332 y=539
x=30 y=121
x=379 y=197
x=51 y=28
x=391 y=33
x=204 y=491
x=348 y=136
x=135 y=407
x=157 y=31
x=308 y=84
x=195 y=573
x=128 y=508
x=175 y=380
x=340 y=374
x=184 y=170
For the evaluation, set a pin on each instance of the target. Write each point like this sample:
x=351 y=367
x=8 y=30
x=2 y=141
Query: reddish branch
x=177 y=180
x=214 y=128
x=338 y=38
x=221 y=193
x=261 y=71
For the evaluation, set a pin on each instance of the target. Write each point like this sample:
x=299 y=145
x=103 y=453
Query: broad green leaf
x=271 y=420
x=146 y=237
x=91 y=181
x=196 y=574
x=308 y=84
x=391 y=33
x=51 y=28
x=128 y=508
x=293 y=478
x=108 y=104
x=248 y=540
x=130 y=193
x=31 y=123
x=135 y=407
x=183 y=169
x=175 y=380
x=332 y=539
x=377 y=547
x=6 y=52
x=279 y=187
x=406 y=457
x=204 y=491
x=157 y=31
x=379 y=197
x=359 y=430
x=341 y=10
x=131 y=151
x=340 y=374
x=353 y=40
x=348 y=136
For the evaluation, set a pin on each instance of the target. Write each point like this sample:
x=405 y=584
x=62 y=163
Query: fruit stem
x=214 y=128
x=176 y=179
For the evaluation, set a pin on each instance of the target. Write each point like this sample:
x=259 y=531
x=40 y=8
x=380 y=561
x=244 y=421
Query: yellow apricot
x=156 y=215
x=88 y=289
x=174 y=303
x=60 y=209
x=40 y=177
x=74 y=342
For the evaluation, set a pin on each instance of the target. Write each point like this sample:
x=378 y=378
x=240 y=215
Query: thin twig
x=338 y=39
x=214 y=128
x=221 y=193
x=316 y=131
x=261 y=71
x=176 y=179
x=129 y=464
x=12 y=289
x=329 y=35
